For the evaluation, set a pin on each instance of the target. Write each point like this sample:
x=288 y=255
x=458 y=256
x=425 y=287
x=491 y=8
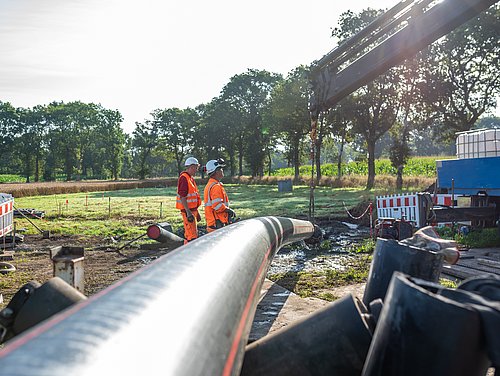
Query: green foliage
x=417 y=166
x=480 y=238
x=476 y=238
x=366 y=246
x=10 y=178
x=447 y=232
x=448 y=283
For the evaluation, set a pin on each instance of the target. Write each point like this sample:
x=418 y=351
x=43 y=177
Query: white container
x=478 y=144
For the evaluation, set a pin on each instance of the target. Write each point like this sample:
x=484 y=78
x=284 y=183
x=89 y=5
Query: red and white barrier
x=405 y=206
x=6 y=213
x=398 y=206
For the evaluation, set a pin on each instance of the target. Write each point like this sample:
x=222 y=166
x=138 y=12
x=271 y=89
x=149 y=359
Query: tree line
x=413 y=108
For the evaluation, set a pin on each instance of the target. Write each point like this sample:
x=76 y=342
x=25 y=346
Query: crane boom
x=408 y=27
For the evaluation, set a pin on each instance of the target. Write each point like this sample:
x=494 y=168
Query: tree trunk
x=296 y=161
x=241 y=151
x=37 y=167
x=178 y=160
x=231 y=161
x=27 y=167
x=68 y=165
x=399 y=178
x=339 y=160
x=240 y=163
x=317 y=157
x=270 y=159
x=371 y=165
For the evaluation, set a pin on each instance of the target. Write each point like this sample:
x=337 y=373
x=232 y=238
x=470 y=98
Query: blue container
x=471 y=176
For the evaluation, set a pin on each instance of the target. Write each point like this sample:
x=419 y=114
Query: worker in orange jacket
x=188 y=199
x=217 y=211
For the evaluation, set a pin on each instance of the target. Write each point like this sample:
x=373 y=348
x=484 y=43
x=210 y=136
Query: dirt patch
x=102 y=265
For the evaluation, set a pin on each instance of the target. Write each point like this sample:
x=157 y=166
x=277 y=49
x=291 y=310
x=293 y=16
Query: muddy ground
x=103 y=265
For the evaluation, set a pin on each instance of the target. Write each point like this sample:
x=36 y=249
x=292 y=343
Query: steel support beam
x=188 y=313
x=330 y=86
x=455 y=214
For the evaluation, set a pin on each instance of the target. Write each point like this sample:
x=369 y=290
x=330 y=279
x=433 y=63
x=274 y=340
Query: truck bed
x=471 y=175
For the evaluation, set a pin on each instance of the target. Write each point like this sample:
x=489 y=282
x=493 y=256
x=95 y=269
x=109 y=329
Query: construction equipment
x=472 y=177
x=396 y=35
x=474 y=173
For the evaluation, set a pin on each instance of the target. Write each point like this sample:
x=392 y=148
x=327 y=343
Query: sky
x=138 y=56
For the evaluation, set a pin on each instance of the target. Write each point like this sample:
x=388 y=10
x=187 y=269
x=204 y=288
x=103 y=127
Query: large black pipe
x=425 y=329
x=188 y=313
x=332 y=341
x=392 y=256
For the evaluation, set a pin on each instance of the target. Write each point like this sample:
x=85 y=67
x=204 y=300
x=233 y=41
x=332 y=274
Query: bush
x=476 y=238
x=480 y=238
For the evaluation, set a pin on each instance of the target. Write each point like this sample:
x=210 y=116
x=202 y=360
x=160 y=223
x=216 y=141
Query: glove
x=230 y=213
x=190 y=218
x=198 y=216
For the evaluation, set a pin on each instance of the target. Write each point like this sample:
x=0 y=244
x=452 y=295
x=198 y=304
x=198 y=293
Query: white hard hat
x=191 y=161
x=213 y=164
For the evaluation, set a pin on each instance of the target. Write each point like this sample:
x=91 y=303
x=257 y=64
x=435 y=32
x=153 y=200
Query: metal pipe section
x=188 y=313
x=160 y=234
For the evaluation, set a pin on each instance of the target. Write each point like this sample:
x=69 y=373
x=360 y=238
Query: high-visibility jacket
x=193 y=196
x=216 y=203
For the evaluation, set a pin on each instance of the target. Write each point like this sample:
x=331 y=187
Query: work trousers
x=190 y=228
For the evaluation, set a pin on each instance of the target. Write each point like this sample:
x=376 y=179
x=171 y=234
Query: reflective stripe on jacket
x=193 y=197
x=216 y=202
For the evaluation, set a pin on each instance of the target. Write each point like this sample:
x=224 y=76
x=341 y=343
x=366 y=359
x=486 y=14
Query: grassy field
x=91 y=219
x=128 y=212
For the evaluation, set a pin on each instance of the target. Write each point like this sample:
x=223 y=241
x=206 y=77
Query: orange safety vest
x=193 y=197
x=216 y=202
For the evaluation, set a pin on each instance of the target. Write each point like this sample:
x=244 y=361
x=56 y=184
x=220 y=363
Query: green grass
x=317 y=284
x=89 y=214
x=261 y=200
